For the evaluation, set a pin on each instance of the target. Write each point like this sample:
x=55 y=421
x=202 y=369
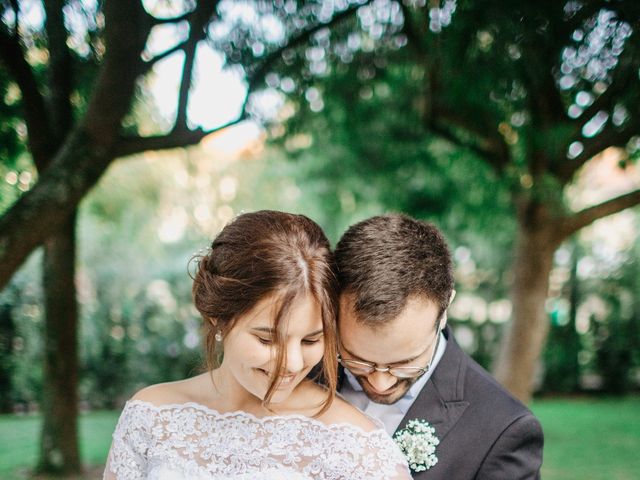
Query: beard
x=392 y=395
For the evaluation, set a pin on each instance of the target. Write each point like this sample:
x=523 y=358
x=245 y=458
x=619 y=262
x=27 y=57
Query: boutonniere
x=418 y=442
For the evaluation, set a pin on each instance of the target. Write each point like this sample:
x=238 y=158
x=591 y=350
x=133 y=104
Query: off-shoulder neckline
x=261 y=420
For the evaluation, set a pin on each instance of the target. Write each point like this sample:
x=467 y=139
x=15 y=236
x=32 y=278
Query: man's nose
x=381 y=381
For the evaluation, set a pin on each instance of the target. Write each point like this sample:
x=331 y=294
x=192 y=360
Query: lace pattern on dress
x=195 y=442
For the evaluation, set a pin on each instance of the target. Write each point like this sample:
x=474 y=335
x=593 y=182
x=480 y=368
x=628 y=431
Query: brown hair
x=263 y=253
x=383 y=260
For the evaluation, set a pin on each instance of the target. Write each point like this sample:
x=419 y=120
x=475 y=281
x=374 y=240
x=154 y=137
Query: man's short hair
x=384 y=260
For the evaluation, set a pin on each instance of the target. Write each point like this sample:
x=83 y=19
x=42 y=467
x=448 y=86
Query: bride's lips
x=285 y=380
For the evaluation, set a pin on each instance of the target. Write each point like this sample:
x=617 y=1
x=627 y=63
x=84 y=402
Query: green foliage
x=505 y=86
x=561 y=367
x=459 y=122
x=22 y=305
x=137 y=300
x=137 y=325
x=7 y=334
x=359 y=140
x=10 y=145
x=16 y=170
x=375 y=121
x=617 y=336
x=616 y=356
x=595 y=326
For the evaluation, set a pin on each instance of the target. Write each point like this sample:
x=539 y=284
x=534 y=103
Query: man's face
x=409 y=340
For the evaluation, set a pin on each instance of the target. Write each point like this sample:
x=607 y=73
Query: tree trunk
x=525 y=336
x=59 y=452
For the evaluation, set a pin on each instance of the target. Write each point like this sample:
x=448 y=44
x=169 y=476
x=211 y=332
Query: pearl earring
x=218 y=336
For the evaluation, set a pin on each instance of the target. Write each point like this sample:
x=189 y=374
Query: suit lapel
x=441 y=401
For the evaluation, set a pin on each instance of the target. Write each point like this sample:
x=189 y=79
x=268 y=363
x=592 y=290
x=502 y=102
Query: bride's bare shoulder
x=169 y=393
x=342 y=411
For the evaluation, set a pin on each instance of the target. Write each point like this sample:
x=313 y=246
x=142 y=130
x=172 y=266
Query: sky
x=216 y=97
x=217 y=94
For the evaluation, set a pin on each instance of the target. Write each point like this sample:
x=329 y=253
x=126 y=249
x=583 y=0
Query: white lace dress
x=191 y=441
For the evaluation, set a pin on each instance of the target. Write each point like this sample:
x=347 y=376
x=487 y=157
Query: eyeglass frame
x=375 y=368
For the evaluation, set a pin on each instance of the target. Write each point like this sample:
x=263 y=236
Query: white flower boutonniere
x=418 y=442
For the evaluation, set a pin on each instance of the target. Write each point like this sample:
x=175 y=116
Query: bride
x=267 y=294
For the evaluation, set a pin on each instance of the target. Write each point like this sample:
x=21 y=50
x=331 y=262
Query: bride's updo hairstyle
x=268 y=253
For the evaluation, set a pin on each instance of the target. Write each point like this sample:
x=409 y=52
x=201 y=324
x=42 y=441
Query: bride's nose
x=295 y=359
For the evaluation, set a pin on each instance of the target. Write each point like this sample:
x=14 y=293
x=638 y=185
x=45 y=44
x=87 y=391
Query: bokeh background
x=131 y=132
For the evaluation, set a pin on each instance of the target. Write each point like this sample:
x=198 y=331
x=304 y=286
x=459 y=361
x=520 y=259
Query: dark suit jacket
x=484 y=432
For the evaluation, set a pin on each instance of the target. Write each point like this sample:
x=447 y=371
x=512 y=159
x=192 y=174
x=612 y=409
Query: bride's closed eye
x=306 y=341
x=311 y=341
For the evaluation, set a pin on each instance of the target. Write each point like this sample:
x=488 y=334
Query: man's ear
x=443 y=320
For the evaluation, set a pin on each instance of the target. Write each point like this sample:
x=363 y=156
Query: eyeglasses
x=366 y=368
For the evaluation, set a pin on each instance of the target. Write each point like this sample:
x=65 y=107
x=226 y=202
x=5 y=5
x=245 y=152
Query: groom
x=401 y=361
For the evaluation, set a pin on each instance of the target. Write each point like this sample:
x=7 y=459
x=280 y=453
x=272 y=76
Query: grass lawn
x=590 y=439
x=19 y=437
x=585 y=439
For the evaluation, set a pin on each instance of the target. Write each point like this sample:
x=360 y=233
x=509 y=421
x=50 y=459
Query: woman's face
x=250 y=350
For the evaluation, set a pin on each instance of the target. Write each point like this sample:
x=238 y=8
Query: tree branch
x=89 y=150
x=114 y=88
x=413 y=36
x=587 y=11
x=259 y=73
x=185 y=84
x=146 y=66
x=15 y=6
x=60 y=75
x=486 y=150
x=200 y=17
x=543 y=101
x=492 y=150
x=164 y=21
x=603 y=102
x=175 y=139
x=623 y=79
x=45 y=208
x=35 y=112
x=609 y=137
x=575 y=222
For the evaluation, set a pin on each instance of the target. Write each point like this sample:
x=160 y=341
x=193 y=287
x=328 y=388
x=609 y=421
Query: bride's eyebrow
x=271 y=331
x=268 y=330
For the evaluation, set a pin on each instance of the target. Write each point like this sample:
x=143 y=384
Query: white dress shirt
x=389 y=415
